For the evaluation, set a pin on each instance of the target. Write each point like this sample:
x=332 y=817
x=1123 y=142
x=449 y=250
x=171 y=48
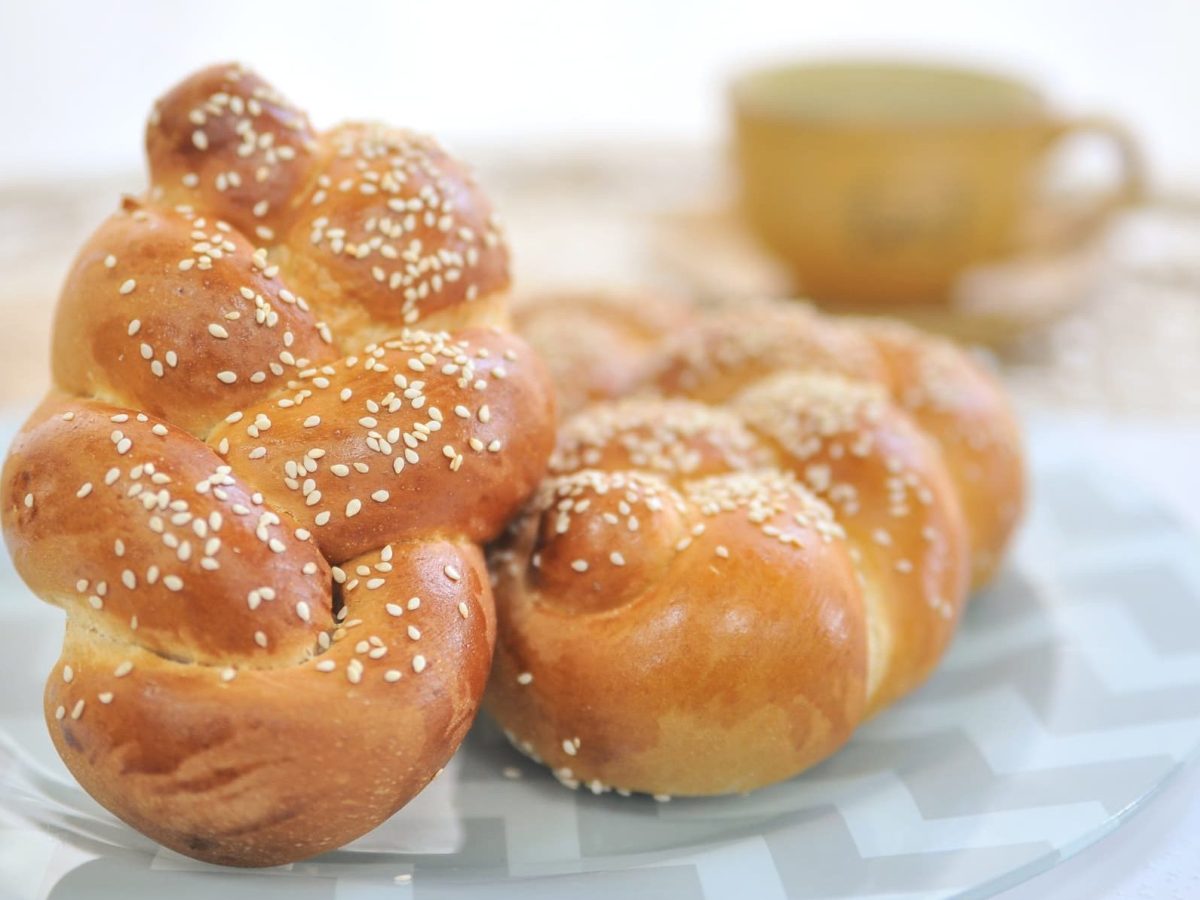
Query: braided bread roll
x=259 y=492
x=720 y=580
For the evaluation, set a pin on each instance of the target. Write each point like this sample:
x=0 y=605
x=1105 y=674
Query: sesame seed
x=354 y=670
x=463 y=609
x=68 y=674
x=452 y=573
x=173 y=583
x=380 y=496
x=127 y=286
x=418 y=663
x=105 y=697
x=303 y=612
x=77 y=710
x=110 y=261
x=353 y=507
x=722 y=551
x=217 y=331
x=569 y=747
x=392 y=675
x=260 y=638
x=123 y=669
x=525 y=678
x=226 y=377
x=228 y=674
x=326 y=665
x=84 y=490
x=579 y=565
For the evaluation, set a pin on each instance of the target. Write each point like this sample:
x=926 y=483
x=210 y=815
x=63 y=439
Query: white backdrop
x=77 y=77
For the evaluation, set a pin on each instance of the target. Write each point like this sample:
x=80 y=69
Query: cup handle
x=1130 y=188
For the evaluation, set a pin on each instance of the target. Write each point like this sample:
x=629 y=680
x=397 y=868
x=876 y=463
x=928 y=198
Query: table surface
x=1128 y=350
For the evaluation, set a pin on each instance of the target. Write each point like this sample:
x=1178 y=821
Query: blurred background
x=80 y=77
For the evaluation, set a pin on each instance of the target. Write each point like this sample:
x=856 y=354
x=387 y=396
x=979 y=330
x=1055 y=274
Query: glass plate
x=1071 y=694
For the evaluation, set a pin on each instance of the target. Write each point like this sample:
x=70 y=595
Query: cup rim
x=1028 y=102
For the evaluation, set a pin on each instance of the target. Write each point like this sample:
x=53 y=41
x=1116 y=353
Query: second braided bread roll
x=724 y=575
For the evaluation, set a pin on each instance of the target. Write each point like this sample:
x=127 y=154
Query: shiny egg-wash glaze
x=284 y=418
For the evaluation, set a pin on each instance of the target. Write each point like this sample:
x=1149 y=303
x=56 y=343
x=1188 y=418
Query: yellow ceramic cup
x=879 y=183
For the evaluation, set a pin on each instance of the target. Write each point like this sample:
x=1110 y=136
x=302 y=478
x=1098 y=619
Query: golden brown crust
x=172 y=312
x=420 y=422
x=728 y=350
x=622 y=331
x=949 y=395
x=259 y=494
x=961 y=406
x=687 y=657
x=391 y=230
x=626 y=592
x=259 y=766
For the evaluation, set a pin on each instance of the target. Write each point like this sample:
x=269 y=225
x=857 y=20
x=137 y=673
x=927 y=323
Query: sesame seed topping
x=127 y=286
x=525 y=678
x=418 y=663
